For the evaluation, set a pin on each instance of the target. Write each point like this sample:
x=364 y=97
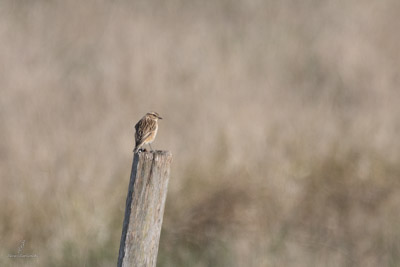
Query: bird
x=146 y=130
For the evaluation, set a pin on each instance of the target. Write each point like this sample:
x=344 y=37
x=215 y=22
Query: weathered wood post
x=144 y=209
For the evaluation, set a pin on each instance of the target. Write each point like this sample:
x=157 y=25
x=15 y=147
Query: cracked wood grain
x=144 y=211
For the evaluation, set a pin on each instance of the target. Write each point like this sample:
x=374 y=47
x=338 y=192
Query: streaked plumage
x=146 y=130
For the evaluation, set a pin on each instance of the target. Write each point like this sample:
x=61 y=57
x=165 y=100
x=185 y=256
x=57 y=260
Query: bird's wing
x=144 y=128
x=139 y=131
x=137 y=126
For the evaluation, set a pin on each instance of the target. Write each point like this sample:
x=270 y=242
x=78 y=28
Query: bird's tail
x=138 y=145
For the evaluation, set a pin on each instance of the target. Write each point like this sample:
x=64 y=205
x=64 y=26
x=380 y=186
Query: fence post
x=144 y=210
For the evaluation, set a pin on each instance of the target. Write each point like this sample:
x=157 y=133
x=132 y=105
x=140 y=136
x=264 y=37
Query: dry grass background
x=282 y=116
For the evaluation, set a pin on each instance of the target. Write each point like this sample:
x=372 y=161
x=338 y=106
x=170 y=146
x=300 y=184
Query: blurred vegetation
x=282 y=116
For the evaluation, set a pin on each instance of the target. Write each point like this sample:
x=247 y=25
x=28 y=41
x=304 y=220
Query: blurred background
x=283 y=118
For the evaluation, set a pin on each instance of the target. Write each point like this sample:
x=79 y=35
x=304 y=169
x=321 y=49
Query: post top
x=156 y=155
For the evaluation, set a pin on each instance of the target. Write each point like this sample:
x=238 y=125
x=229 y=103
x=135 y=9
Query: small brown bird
x=146 y=130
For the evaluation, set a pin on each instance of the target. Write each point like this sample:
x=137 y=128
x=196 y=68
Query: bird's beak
x=159 y=117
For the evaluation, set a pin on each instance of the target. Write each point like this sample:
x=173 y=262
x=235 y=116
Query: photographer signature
x=20 y=254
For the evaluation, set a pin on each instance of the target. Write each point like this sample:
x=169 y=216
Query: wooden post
x=144 y=209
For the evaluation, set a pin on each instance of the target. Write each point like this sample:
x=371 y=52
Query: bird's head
x=154 y=115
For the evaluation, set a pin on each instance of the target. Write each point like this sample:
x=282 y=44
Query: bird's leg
x=150 y=147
